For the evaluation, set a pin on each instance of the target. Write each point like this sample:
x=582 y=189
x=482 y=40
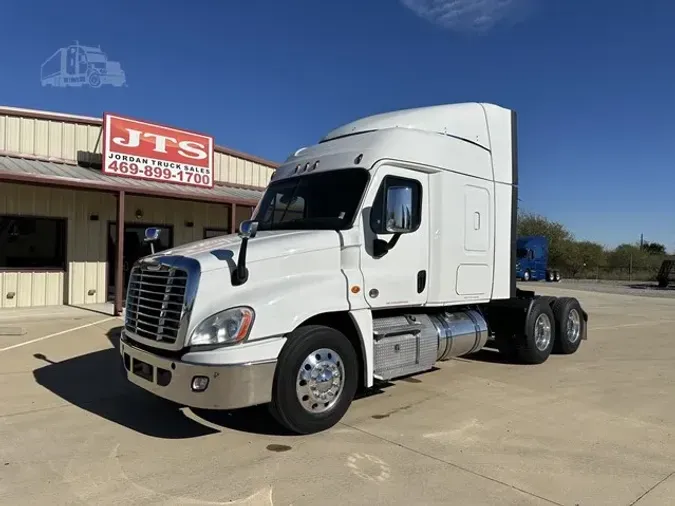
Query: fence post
x=630 y=268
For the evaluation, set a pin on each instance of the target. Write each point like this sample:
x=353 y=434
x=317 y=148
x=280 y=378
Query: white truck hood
x=293 y=275
x=220 y=252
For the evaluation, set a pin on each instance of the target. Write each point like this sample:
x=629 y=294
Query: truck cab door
x=395 y=266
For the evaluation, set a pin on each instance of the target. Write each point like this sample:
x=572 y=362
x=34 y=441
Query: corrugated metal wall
x=58 y=139
x=87 y=241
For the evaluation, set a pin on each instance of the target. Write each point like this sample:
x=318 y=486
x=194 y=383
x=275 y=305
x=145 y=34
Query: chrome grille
x=155 y=302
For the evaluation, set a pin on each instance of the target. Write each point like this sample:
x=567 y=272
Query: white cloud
x=467 y=15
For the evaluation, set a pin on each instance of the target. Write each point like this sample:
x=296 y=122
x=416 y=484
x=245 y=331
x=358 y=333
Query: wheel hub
x=542 y=332
x=320 y=380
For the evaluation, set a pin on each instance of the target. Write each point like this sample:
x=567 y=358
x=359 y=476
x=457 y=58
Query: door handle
x=421 y=281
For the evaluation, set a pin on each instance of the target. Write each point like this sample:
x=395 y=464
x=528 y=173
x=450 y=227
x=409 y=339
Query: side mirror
x=248 y=229
x=399 y=210
x=151 y=234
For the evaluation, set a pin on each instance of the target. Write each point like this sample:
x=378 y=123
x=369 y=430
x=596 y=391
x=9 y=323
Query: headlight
x=227 y=327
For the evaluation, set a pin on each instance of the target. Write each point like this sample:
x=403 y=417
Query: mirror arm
x=247 y=230
x=392 y=242
x=240 y=273
x=382 y=247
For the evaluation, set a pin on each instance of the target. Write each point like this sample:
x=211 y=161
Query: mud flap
x=584 y=334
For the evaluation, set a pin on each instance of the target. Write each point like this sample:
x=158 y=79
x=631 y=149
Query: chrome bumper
x=229 y=386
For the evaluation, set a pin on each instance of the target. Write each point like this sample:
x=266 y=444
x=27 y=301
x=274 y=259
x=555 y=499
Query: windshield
x=521 y=253
x=321 y=201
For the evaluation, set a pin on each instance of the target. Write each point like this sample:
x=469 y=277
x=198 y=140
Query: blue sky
x=593 y=82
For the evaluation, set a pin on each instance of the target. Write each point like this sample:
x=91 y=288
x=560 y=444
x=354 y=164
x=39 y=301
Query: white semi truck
x=388 y=246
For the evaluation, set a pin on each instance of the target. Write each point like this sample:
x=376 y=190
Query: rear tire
x=569 y=325
x=315 y=380
x=557 y=276
x=535 y=344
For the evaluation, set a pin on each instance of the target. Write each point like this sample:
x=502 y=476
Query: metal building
x=59 y=239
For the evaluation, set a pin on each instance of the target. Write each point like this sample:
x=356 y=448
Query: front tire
x=315 y=380
x=526 y=276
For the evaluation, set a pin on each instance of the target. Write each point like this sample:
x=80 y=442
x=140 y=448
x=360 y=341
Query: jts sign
x=153 y=152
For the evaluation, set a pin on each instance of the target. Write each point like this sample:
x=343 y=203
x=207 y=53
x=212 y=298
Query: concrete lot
x=595 y=428
x=641 y=288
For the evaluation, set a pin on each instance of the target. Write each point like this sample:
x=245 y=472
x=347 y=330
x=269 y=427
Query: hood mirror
x=151 y=236
x=248 y=229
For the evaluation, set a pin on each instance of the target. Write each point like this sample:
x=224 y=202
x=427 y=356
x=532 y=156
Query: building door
x=134 y=248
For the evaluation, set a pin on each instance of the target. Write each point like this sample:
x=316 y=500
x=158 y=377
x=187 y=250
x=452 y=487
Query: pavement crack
x=82 y=405
x=650 y=489
x=462 y=468
x=36 y=410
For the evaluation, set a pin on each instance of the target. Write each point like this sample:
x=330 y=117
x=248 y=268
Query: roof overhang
x=24 y=170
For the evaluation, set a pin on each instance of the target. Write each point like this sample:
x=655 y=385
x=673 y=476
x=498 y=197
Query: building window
x=215 y=232
x=32 y=243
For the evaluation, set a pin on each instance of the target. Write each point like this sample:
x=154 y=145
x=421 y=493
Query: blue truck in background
x=532 y=260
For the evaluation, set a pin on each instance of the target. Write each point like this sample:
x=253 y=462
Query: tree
x=593 y=254
x=559 y=238
x=654 y=248
x=628 y=255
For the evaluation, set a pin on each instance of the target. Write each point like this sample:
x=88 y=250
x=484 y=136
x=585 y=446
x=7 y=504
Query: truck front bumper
x=229 y=386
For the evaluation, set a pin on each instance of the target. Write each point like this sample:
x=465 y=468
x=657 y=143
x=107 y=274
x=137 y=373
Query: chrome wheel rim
x=573 y=326
x=542 y=332
x=320 y=381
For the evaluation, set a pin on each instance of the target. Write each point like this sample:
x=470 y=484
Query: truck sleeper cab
x=386 y=247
